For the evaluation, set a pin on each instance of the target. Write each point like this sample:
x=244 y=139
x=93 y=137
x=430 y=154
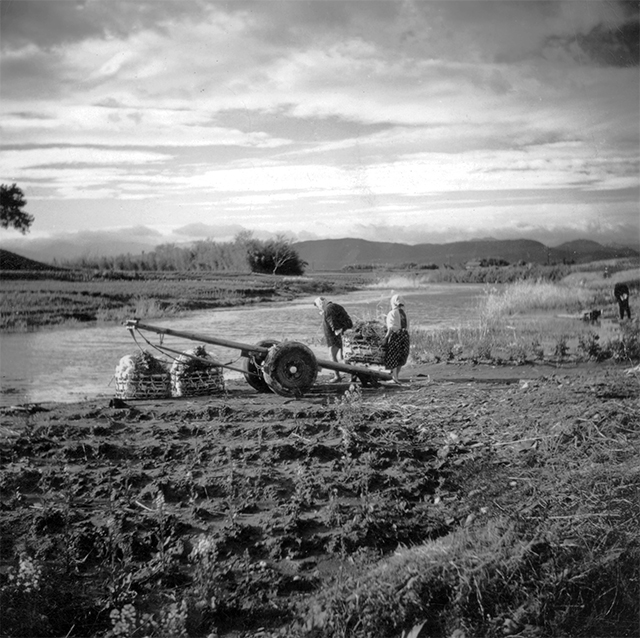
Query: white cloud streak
x=184 y=108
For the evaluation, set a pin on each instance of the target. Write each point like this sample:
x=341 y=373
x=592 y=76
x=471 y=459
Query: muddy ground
x=246 y=505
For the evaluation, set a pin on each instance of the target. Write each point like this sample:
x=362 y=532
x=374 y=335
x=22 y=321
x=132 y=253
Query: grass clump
x=485 y=581
x=627 y=347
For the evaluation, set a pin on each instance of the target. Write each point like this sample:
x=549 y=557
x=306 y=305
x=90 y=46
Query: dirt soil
x=246 y=504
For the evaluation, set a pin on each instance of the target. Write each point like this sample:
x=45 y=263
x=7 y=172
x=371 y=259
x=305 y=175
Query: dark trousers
x=623 y=305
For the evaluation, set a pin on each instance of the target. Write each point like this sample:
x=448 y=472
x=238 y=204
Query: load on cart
x=365 y=343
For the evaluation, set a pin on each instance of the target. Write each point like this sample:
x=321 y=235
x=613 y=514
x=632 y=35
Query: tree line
x=244 y=254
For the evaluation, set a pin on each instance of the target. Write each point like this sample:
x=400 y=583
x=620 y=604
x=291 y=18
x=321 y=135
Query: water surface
x=72 y=364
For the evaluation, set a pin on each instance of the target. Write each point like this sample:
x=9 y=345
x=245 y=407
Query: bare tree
x=283 y=253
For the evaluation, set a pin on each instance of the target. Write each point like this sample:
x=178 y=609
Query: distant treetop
x=12 y=202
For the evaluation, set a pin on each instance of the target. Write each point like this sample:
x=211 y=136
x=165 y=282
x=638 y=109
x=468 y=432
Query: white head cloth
x=396 y=301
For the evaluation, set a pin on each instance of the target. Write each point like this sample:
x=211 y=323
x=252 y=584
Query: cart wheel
x=252 y=366
x=290 y=368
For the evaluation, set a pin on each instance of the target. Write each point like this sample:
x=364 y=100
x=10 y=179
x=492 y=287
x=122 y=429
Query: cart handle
x=246 y=348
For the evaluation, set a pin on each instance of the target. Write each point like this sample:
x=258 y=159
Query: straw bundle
x=142 y=376
x=192 y=375
x=364 y=343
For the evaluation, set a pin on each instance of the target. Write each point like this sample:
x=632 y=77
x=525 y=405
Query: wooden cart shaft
x=247 y=349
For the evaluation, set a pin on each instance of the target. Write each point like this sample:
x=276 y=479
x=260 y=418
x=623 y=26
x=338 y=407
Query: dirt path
x=246 y=505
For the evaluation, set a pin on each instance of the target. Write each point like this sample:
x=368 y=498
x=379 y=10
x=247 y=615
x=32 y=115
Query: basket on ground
x=193 y=375
x=142 y=376
x=364 y=343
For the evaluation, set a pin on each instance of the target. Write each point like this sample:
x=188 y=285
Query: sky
x=407 y=121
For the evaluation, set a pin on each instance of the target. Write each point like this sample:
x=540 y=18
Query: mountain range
x=333 y=254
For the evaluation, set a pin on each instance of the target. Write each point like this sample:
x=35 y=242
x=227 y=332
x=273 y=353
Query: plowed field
x=249 y=514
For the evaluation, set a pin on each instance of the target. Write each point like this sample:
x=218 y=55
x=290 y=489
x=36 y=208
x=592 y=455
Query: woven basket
x=142 y=376
x=150 y=386
x=191 y=377
x=363 y=344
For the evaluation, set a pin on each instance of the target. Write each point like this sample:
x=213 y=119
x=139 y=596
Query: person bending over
x=335 y=320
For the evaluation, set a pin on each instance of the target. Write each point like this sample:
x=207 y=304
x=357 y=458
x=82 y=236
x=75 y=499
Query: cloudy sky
x=409 y=121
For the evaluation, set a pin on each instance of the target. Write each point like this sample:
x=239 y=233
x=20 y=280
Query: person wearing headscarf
x=397 y=338
x=335 y=320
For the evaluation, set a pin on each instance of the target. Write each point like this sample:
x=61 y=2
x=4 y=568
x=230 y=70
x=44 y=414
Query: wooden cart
x=288 y=368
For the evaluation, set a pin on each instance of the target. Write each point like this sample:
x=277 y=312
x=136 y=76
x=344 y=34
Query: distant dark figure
x=592 y=316
x=335 y=321
x=621 y=293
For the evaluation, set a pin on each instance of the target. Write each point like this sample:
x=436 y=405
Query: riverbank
x=28 y=304
x=32 y=300
x=483 y=500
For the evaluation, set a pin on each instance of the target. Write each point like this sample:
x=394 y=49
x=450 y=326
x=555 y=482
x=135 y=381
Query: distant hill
x=334 y=254
x=585 y=250
x=12 y=261
x=72 y=247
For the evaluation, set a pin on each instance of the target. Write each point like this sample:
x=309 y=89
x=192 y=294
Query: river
x=78 y=363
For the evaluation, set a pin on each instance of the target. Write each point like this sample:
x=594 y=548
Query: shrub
x=589 y=344
x=627 y=347
x=276 y=256
x=562 y=347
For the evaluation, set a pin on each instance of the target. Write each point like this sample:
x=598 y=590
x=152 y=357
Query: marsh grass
x=527 y=296
x=530 y=321
x=590 y=275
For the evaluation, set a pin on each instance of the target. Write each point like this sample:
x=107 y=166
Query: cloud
x=288 y=116
x=539 y=229
x=72 y=245
x=50 y=24
x=94 y=125
x=613 y=47
x=221 y=232
x=14 y=160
